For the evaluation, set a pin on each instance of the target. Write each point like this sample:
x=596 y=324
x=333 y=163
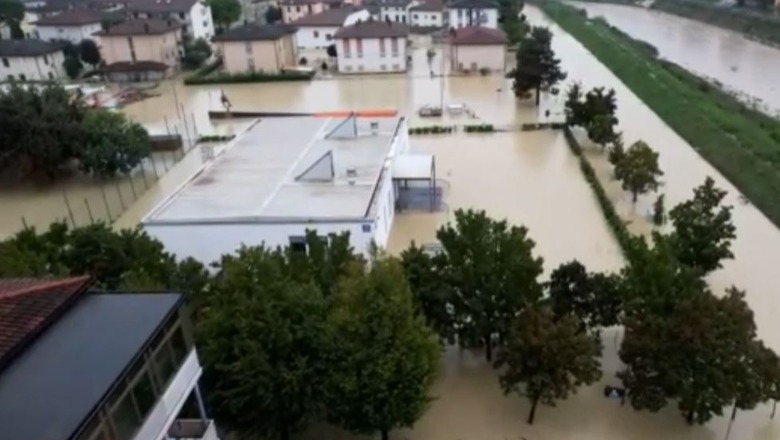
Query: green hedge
x=249 y=77
x=531 y=126
x=742 y=143
x=215 y=137
x=433 y=129
x=616 y=225
x=479 y=128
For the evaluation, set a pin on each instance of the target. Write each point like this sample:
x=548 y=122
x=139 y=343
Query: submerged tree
x=638 y=170
x=595 y=112
x=537 y=67
x=491 y=273
x=703 y=228
x=383 y=359
x=424 y=274
x=546 y=358
x=659 y=211
x=594 y=298
x=113 y=144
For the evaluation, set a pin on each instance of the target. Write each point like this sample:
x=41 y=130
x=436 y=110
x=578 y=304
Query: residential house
x=427 y=14
x=395 y=10
x=463 y=13
x=254 y=47
x=30 y=60
x=293 y=10
x=476 y=48
x=141 y=50
x=82 y=364
x=372 y=47
x=194 y=16
x=316 y=31
x=73 y=25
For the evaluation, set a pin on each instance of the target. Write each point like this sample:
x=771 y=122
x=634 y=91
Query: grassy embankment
x=742 y=143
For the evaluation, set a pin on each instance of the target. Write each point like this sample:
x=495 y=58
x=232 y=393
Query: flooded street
x=726 y=56
x=530 y=178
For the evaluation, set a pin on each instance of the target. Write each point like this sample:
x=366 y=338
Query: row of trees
x=12 y=15
x=76 y=55
x=511 y=21
x=46 y=129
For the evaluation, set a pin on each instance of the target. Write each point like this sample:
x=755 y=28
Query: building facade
x=468 y=13
x=316 y=31
x=395 y=10
x=293 y=10
x=372 y=47
x=141 y=50
x=194 y=16
x=256 y=48
x=428 y=14
x=474 y=49
x=30 y=60
x=73 y=25
x=97 y=366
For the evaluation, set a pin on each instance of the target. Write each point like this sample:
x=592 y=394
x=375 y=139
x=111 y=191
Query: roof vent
x=374 y=128
x=351 y=172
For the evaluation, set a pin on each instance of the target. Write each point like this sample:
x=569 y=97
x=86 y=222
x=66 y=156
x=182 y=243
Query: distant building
x=284 y=176
x=428 y=14
x=395 y=10
x=254 y=47
x=141 y=50
x=464 y=13
x=316 y=31
x=475 y=48
x=193 y=15
x=81 y=364
x=293 y=10
x=372 y=47
x=30 y=60
x=73 y=25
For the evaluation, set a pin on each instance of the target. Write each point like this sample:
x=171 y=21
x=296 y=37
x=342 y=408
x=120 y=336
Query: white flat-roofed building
x=282 y=177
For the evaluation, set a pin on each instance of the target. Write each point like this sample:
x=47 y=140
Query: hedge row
x=434 y=129
x=479 y=128
x=542 y=126
x=616 y=224
x=249 y=77
x=215 y=138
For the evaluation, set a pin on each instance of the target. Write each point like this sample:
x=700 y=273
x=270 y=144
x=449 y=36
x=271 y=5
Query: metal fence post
x=154 y=167
x=143 y=174
x=70 y=211
x=89 y=211
x=24 y=223
x=105 y=200
x=132 y=188
x=121 y=200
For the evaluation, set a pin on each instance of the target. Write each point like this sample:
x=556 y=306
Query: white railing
x=192 y=429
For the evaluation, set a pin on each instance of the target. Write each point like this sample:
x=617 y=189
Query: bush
x=248 y=77
x=433 y=129
x=484 y=71
x=215 y=137
x=479 y=128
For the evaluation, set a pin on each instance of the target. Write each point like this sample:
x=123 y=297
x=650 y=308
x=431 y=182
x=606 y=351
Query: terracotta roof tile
x=150 y=26
x=28 y=306
x=373 y=29
x=477 y=35
x=74 y=17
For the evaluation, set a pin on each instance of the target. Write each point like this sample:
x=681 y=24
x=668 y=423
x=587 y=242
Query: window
x=416 y=17
x=144 y=395
x=360 y=68
x=359 y=46
x=125 y=419
x=205 y=23
x=316 y=34
x=394 y=46
x=346 y=48
x=383 y=67
x=309 y=9
x=182 y=15
x=10 y=77
x=328 y=37
x=381 y=47
x=298 y=244
x=45 y=60
x=297 y=9
x=348 y=68
x=248 y=47
x=5 y=62
x=396 y=67
x=22 y=77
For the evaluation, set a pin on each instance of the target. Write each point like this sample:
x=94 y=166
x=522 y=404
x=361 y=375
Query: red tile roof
x=74 y=17
x=29 y=305
x=477 y=35
x=373 y=29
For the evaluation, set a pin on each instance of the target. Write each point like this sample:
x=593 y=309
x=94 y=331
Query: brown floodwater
x=530 y=179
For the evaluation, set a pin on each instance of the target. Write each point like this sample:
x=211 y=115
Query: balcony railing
x=192 y=429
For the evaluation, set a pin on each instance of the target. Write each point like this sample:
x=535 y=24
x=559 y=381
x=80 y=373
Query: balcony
x=192 y=429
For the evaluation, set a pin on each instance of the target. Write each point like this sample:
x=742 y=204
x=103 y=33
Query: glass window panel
x=144 y=394
x=179 y=346
x=164 y=365
x=125 y=418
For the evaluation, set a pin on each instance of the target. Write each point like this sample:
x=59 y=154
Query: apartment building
x=82 y=364
x=194 y=16
x=316 y=31
x=465 y=13
x=141 y=50
x=73 y=25
x=372 y=47
x=30 y=60
x=253 y=47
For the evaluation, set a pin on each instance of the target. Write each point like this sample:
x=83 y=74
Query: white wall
x=372 y=60
x=41 y=68
x=74 y=34
x=460 y=18
x=207 y=243
x=384 y=212
x=426 y=18
x=394 y=13
x=315 y=37
x=201 y=22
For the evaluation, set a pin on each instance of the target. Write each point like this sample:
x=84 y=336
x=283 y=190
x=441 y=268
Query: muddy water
x=727 y=56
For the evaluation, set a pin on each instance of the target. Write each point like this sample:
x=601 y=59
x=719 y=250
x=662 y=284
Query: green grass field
x=742 y=143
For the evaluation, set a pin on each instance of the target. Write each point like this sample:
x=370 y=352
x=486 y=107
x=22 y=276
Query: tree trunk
x=538 y=93
x=532 y=414
x=635 y=195
x=284 y=433
x=689 y=417
x=385 y=434
x=488 y=349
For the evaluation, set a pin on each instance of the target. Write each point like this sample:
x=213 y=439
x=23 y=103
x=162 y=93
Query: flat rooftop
x=288 y=168
x=53 y=386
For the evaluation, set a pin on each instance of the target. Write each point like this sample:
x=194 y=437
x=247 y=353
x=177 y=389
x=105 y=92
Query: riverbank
x=741 y=143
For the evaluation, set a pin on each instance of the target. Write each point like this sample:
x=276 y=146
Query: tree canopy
x=90 y=53
x=384 y=357
x=45 y=129
x=425 y=276
x=491 y=272
x=196 y=52
x=273 y=14
x=592 y=297
x=638 y=170
x=12 y=14
x=537 y=67
x=595 y=112
x=225 y=12
x=546 y=358
x=703 y=228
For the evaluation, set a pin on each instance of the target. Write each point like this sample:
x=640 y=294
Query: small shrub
x=303 y=61
x=484 y=71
